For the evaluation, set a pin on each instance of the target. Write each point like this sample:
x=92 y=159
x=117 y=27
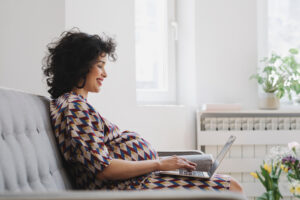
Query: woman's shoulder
x=70 y=100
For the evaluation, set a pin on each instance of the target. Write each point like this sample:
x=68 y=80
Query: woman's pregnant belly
x=131 y=146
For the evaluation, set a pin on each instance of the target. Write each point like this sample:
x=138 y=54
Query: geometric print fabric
x=88 y=142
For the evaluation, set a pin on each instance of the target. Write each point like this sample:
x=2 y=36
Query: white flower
x=293 y=145
x=277 y=153
x=295 y=187
x=295 y=148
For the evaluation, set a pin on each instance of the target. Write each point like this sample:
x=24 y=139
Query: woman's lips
x=99 y=81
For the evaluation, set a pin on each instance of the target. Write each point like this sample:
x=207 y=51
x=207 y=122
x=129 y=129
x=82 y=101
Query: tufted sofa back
x=29 y=157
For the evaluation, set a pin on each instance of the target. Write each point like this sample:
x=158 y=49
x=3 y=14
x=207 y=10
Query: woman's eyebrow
x=103 y=61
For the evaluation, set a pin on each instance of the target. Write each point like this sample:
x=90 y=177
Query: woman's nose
x=104 y=74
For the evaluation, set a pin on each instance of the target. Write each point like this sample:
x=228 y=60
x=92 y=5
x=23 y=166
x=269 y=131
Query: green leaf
x=264 y=196
x=260 y=80
x=293 y=51
x=271 y=194
x=262 y=180
x=268 y=180
x=268 y=69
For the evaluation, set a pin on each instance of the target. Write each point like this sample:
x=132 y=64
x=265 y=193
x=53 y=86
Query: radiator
x=256 y=132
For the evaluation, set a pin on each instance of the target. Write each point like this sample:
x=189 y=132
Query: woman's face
x=96 y=75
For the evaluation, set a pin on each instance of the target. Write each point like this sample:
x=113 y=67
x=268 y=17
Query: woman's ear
x=81 y=83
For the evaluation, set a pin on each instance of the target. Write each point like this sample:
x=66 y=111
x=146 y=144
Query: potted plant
x=279 y=76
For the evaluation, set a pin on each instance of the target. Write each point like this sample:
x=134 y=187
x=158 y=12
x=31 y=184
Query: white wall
x=215 y=70
x=26 y=28
x=186 y=65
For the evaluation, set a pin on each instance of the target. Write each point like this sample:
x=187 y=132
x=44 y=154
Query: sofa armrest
x=179 y=153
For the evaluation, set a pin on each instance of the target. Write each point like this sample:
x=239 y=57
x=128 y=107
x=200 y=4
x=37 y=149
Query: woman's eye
x=99 y=66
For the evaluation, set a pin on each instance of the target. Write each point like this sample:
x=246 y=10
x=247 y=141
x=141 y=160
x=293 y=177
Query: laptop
x=204 y=174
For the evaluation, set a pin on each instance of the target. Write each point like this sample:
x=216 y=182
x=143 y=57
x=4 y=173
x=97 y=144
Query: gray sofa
x=31 y=166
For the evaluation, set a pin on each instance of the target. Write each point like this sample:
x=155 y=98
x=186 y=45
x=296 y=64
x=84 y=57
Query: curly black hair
x=71 y=57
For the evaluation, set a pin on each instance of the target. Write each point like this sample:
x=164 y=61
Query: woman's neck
x=82 y=92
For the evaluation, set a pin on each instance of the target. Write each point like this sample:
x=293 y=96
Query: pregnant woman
x=98 y=154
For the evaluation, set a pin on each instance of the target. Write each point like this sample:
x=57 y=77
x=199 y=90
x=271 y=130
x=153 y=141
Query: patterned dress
x=88 y=143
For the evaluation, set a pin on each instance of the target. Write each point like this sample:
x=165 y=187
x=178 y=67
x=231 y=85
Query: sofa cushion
x=29 y=157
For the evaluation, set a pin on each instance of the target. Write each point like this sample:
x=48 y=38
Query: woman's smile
x=99 y=80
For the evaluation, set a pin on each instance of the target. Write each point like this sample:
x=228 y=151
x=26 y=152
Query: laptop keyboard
x=192 y=173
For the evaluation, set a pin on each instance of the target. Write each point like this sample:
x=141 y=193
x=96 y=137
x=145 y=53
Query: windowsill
x=281 y=109
x=161 y=105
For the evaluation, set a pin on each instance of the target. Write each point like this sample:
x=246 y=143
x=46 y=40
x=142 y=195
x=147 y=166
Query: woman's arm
x=124 y=169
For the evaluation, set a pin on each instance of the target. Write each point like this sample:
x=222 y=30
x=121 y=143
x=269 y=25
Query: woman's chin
x=98 y=90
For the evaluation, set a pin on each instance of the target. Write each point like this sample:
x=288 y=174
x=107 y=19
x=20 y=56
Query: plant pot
x=269 y=101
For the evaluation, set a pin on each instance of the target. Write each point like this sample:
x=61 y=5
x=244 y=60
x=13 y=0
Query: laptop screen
x=222 y=154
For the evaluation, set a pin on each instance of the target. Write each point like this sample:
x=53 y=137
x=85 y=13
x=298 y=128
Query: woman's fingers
x=191 y=163
x=188 y=165
x=178 y=162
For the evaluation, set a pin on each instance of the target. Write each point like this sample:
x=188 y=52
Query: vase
x=269 y=101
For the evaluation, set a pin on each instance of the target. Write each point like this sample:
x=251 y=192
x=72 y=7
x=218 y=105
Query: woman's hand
x=174 y=163
x=119 y=169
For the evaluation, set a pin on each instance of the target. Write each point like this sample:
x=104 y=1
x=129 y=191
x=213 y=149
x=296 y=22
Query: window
x=283 y=28
x=283 y=25
x=155 y=35
x=278 y=30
